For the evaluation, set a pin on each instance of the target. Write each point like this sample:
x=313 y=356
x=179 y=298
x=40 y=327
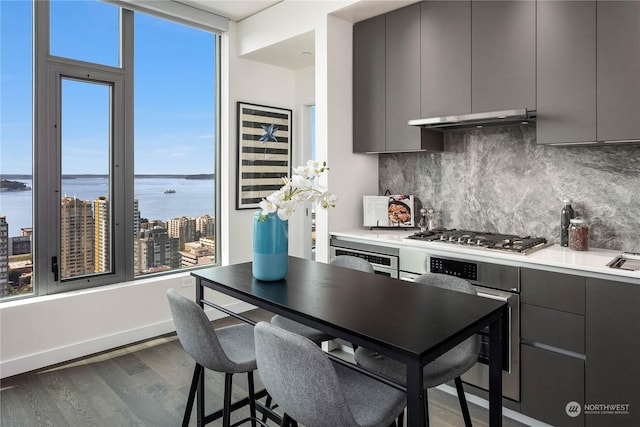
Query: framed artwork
x=264 y=152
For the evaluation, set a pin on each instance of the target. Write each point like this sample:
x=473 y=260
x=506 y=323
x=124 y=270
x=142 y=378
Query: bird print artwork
x=269 y=133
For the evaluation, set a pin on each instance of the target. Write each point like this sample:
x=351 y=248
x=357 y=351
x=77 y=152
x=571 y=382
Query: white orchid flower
x=297 y=190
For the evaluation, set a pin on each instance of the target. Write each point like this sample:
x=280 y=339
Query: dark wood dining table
x=408 y=322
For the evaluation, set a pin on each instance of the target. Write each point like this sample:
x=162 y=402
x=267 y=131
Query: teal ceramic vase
x=270 y=247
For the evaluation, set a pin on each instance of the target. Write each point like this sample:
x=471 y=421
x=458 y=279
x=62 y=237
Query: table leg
x=200 y=390
x=416 y=398
x=495 y=372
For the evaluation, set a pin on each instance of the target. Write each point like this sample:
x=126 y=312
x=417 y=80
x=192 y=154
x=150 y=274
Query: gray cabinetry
x=566 y=71
x=618 y=70
x=445 y=57
x=369 y=85
x=503 y=47
x=403 y=78
x=613 y=351
x=386 y=82
x=553 y=346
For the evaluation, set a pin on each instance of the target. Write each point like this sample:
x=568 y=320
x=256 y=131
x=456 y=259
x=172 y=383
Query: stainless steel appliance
x=384 y=260
x=494 y=281
x=481 y=240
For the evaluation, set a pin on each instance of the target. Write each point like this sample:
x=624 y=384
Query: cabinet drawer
x=549 y=382
x=558 y=291
x=552 y=327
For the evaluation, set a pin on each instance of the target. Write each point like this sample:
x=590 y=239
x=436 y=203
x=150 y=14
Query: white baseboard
x=85 y=348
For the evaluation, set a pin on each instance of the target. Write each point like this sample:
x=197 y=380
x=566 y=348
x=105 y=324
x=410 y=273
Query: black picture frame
x=264 y=152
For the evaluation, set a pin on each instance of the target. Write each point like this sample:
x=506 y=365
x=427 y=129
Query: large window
x=109 y=202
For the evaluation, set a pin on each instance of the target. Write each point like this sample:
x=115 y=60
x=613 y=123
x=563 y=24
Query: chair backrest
x=352 y=262
x=446 y=282
x=197 y=336
x=300 y=378
x=472 y=344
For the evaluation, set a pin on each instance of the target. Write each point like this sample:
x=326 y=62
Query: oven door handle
x=498 y=297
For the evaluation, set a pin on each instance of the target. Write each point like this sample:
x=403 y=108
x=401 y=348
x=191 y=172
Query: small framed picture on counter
x=388 y=211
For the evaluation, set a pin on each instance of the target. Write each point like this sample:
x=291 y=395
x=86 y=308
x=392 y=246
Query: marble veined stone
x=499 y=179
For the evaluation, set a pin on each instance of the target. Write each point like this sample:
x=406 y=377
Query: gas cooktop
x=481 y=240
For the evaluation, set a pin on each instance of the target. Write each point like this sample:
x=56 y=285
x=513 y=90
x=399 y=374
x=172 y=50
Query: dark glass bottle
x=566 y=215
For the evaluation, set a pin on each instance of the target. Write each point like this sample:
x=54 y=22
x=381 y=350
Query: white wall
x=351 y=175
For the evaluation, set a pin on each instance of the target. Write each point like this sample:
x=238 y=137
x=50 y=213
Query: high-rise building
x=136 y=218
x=76 y=235
x=205 y=226
x=182 y=228
x=4 y=256
x=102 y=234
x=196 y=254
x=155 y=251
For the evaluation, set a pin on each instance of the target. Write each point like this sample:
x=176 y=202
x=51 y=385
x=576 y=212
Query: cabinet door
x=558 y=291
x=551 y=381
x=403 y=78
x=618 y=70
x=503 y=50
x=445 y=58
x=369 y=85
x=566 y=71
x=613 y=350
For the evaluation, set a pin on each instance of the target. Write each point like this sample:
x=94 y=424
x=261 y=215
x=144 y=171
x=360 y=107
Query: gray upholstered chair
x=315 y=335
x=230 y=350
x=316 y=392
x=449 y=366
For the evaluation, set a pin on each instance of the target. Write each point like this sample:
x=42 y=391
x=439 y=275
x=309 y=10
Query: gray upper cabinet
x=445 y=58
x=618 y=70
x=369 y=100
x=402 y=78
x=386 y=85
x=566 y=71
x=503 y=47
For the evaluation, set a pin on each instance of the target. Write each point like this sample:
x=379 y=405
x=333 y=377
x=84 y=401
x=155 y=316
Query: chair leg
x=267 y=403
x=463 y=402
x=252 y=399
x=286 y=421
x=192 y=395
x=226 y=409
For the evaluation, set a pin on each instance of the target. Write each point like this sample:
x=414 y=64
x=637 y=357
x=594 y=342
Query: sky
x=174 y=90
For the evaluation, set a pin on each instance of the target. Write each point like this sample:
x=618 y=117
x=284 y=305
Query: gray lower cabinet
x=369 y=101
x=503 y=72
x=550 y=383
x=552 y=318
x=566 y=72
x=613 y=353
x=618 y=70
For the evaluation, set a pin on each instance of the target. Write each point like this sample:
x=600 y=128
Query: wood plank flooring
x=146 y=385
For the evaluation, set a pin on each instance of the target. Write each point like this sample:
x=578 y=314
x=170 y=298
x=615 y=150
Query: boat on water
x=169 y=191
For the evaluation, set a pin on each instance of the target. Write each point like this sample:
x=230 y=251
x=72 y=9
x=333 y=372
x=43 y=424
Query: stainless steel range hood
x=490 y=118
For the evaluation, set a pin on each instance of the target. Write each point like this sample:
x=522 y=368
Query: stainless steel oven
x=494 y=281
x=384 y=260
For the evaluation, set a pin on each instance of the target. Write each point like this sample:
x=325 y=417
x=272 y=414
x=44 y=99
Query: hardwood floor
x=146 y=384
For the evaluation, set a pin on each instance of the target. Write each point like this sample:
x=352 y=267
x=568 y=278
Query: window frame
x=46 y=169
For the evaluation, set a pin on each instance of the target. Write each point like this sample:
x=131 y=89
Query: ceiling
x=235 y=10
x=297 y=52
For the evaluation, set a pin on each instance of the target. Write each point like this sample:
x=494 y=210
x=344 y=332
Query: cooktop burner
x=492 y=241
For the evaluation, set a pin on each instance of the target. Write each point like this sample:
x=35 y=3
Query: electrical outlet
x=188 y=281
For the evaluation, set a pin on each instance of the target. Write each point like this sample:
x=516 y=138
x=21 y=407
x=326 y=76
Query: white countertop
x=592 y=263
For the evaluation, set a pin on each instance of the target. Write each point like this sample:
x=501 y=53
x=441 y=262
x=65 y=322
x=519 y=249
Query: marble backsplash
x=498 y=179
